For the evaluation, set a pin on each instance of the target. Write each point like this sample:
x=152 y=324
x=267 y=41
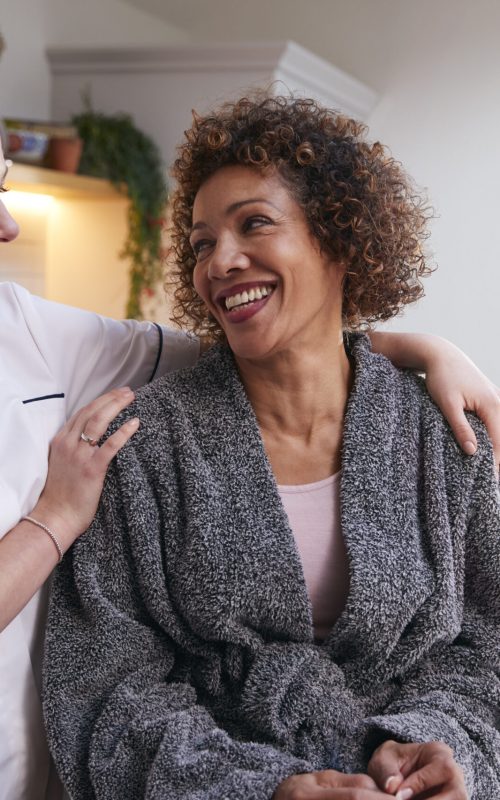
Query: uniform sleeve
x=123 y=720
x=454 y=695
x=89 y=354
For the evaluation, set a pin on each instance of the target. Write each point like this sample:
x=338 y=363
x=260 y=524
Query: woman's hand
x=418 y=770
x=328 y=785
x=77 y=469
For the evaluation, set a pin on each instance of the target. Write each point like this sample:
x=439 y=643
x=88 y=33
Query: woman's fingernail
x=404 y=794
x=132 y=423
x=470 y=448
x=391 y=784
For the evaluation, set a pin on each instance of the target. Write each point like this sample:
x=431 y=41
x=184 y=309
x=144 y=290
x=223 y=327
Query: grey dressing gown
x=180 y=660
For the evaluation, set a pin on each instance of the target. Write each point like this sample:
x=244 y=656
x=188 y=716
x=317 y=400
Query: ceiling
x=352 y=34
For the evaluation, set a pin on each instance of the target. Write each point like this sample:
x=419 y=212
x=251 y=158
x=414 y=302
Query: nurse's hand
x=329 y=785
x=418 y=770
x=453 y=381
x=457 y=385
x=67 y=504
x=77 y=469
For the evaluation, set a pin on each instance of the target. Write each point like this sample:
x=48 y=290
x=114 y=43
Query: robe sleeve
x=295 y=694
x=120 y=721
x=454 y=694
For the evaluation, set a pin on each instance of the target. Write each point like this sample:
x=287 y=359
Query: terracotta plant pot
x=64 y=154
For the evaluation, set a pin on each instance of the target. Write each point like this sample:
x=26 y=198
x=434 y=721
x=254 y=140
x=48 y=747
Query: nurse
x=54 y=362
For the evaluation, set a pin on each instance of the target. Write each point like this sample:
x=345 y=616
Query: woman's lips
x=250 y=297
x=242 y=313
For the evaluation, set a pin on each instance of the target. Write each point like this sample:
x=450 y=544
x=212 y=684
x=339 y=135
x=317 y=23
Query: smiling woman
x=358 y=203
x=301 y=594
x=250 y=235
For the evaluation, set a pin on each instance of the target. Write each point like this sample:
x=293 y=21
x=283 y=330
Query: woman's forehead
x=236 y=183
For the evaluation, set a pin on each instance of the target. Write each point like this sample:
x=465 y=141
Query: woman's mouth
x=242 y=305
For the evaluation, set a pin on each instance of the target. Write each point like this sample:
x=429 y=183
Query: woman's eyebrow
x=234 y=207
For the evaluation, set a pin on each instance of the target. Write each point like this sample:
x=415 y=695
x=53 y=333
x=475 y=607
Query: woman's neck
x=299 y=392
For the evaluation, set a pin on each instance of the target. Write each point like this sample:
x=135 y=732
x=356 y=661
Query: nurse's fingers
x=107 y=451
x=490 y=415
x=93 y=419
x=76 y=470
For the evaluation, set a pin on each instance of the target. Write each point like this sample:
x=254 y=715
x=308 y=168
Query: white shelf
x=27 y=178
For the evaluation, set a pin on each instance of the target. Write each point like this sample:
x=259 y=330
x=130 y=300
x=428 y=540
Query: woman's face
x=8 y=226
x=259 y=270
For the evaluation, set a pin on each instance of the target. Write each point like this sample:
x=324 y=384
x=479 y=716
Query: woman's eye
x=255 y=222
x=200 y=246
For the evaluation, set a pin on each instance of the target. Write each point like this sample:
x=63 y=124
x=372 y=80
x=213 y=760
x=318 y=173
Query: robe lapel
x=380 y=519
x=251 y=582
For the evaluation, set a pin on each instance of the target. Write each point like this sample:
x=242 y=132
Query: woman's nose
x=9 y=228
x=226 y=258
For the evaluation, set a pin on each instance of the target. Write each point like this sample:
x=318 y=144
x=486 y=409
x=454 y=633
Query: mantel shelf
x=27 y=178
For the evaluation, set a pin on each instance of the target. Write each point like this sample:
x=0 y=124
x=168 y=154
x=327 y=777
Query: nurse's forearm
x=410 y=350
x=27 y=557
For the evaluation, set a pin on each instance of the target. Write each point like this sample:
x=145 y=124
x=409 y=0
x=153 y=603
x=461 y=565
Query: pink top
x=314 y=514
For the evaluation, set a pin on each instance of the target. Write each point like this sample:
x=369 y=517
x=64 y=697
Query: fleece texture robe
x=180 y=658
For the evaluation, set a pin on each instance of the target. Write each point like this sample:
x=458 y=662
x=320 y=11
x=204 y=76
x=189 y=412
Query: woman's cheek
x=197 y=281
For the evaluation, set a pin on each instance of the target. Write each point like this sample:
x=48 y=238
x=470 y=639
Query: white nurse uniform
x=53 y=360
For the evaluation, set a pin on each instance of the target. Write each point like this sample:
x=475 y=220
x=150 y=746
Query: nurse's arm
x=67 y=504
x=453 y=381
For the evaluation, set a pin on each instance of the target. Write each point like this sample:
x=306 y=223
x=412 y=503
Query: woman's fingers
x=389 y=764
x=329 y=785
x=428 y=770
x=442 y=774
x=340 y=793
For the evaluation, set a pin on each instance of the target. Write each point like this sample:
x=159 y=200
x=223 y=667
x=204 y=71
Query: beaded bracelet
x=49 y=532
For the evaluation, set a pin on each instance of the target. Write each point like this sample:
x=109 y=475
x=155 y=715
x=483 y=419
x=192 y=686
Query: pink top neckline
x=309 y=487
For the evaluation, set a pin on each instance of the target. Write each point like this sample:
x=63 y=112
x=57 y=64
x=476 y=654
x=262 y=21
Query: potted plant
x=115 y=149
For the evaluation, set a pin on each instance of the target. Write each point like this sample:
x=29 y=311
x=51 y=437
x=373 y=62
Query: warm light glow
x=27 y=201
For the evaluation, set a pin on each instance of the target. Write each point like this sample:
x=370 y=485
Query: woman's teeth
x=244 y=298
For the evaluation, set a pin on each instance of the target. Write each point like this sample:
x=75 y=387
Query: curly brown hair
x=358 y=201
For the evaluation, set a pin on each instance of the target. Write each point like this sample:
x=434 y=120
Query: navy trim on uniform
x=160 y=349
x=45 y=397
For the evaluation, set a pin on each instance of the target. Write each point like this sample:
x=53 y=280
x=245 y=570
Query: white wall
x=440 y=114
x=24 y=76
x=30 y=26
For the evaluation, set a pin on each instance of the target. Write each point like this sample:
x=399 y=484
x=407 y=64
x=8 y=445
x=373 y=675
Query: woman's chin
x=252 y=347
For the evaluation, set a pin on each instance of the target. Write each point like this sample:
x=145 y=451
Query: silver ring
x=88 y=439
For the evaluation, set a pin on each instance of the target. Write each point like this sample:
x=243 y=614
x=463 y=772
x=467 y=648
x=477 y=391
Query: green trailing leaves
x=113 y=148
